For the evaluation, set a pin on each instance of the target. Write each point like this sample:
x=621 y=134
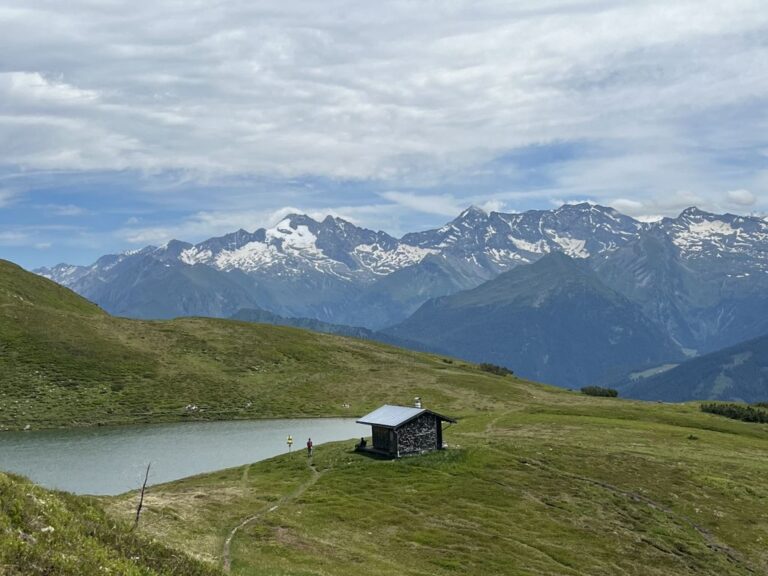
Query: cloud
x=493 y=205
x=33 y=87
x=429 y=203
x=65 y=210
x=7 y=195
x=13 y=238
x=394 y=92
x=627 y=206
x=403 y=112
x=206 y=224
x=740 y=197
x=201 y=225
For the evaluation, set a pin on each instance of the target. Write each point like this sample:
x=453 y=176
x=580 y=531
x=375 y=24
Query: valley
x=688 y=285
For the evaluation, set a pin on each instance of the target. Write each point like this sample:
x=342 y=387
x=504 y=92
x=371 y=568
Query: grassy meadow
x=548 y=482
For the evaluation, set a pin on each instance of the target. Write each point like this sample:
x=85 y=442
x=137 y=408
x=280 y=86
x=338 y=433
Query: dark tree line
x=599 y=391
x=754 y=413
x=494 y=369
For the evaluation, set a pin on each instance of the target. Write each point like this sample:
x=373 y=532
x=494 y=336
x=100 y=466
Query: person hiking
x=309 y=447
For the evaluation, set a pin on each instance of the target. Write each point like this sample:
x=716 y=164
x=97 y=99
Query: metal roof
x=393 y=416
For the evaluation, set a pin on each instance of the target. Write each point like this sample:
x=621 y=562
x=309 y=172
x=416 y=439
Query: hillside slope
x=736 y=373
x=552 y=321
x=554 y=483
x=64 y=362
x=47 y=533
x=261 y=316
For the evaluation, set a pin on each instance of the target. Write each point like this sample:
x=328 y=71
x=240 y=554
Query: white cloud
x=358 y=90
x=7 y=195
x=493 y=205
x=204 y=224
x=65 y=210
x=658 y=106
x=13 y=238
x=627 y=206
x=33 y=87
x=741 y=197
x=428 y=203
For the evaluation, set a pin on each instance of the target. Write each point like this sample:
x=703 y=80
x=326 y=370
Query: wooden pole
x=141 y=498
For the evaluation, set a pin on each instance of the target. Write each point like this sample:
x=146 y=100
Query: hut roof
x=390 y=416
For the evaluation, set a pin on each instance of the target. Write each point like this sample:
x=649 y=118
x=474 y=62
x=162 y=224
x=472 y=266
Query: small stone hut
x=404 y=430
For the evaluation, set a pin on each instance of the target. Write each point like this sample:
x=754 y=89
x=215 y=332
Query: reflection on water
x=113 y=460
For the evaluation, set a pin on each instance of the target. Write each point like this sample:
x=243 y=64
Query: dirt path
x=271 y=507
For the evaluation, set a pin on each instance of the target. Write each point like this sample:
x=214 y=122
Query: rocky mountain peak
x=694 y=212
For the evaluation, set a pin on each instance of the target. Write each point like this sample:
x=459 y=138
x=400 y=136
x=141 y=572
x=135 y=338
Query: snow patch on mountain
x=573 y=247
x=250 y=257
x=699 y=234
x=382 y=261
x=507 y=258
x=195 y=255
x=539 y=247
x=298 y=239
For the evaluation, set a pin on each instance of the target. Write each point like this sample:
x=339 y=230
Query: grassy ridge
x=51 y=533
x=554 y=483
x=63 y=362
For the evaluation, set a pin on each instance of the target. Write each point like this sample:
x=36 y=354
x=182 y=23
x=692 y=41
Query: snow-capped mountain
x=701 y=235
x=505 y=240
x=702 y=276
x=335 y=271
x=297 y=243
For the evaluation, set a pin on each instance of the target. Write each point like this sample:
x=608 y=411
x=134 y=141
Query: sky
x=124 y=124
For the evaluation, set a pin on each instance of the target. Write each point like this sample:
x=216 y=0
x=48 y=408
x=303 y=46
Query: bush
x=737 y=411
x=760 y=404
x=494 y=369
x=599 y=391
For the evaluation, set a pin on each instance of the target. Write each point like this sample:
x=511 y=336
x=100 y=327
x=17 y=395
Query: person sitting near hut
x=362 y=444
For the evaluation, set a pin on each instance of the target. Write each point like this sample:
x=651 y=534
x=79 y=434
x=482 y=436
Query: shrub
x=760 y=404
x=599 y=391
x=494 y=369
x=736 y=411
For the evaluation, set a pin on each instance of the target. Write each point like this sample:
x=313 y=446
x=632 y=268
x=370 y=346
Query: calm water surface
x=113 y=460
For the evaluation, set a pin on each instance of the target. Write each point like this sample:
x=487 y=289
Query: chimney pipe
x=417 y=402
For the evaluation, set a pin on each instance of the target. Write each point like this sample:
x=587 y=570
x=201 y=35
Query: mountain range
x=335 y=271
x=699 y=282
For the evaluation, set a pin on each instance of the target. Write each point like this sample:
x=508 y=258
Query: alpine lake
x=113 y=460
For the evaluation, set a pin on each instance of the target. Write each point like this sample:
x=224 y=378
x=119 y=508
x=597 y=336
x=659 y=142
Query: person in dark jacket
x=309 y=447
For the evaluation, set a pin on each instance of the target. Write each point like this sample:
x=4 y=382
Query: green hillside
x=739 y=372
x=64 y=362
x=559 y=484
x=53 y=533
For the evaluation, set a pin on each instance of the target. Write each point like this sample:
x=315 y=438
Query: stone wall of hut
x=419 y=435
